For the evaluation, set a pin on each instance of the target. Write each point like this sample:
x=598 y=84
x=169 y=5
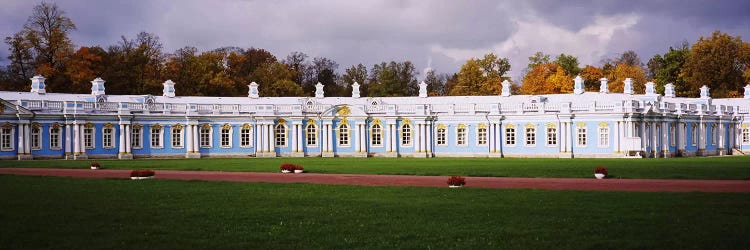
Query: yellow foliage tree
x=622 y=71
x=547 y=78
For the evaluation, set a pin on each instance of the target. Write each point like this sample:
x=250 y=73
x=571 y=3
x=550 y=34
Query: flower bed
x=600 y=172
x=142 y=174
x=298 y=169
x=456 y=181
x=95 y=165
x=287 y=167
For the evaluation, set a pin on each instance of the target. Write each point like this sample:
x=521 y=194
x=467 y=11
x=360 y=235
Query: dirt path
x=638 y=185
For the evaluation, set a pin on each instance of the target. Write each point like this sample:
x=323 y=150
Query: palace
x=39 y=125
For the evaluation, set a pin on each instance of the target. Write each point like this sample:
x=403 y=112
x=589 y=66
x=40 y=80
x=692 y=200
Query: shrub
x=95 y=165
x=456 y=181
x=288 y=167
x=142 y=173
x=600 y=170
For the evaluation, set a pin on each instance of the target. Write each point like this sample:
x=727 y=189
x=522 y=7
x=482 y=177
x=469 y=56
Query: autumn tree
x=324 y=70
x=569 y=63
x=275 y=79
x=481 y=76
x=135 y=65
x=537 y=59
x=83 y=66
x=392 y=79
x=547 y=78
x=718 y=62
x=592 y=78
x=42 y=46
x=623 y=71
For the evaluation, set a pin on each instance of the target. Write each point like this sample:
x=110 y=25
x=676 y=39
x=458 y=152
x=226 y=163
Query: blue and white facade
x=38 y=125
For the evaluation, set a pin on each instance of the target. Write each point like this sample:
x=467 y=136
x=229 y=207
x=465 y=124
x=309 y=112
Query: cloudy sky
x=436 y=34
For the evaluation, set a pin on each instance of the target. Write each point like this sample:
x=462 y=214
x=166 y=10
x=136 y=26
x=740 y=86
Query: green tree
x=435 y=83
x=537 y=59
x=355 y=73
x=569 y=63
x=718 y=62
x=668 y=69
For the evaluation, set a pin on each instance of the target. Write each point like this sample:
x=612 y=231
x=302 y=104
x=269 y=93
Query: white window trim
x=93 y=138
x=249 y=138
x=275 y=134
x=745 y=134
x=445 y=137
x=585 y=134
x=182 y=137
x=59 y=138
x=401 y=136
x=38 y=136
x=714 y=134
x=151 y=138
x=672 y=135
x=139 y=136
x=466 y=137
x=231 y=135
x=506 y=136
x=693 y=134
x=547 y=136
x=210 y=137
x=348 y=136
x=486 y=137
x=12 y=140
x=307 y=135
x=599 y=137
x=111 y=138
x=526 y=137
x=372 y=142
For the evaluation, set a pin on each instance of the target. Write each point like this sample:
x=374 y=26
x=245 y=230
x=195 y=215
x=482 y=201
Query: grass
x=66 y=213
x=673 y=168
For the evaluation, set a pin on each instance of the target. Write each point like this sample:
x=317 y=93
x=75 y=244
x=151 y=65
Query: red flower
x=288 y=167
x=95 y=164
x=456 y=181
x=299 y=167
x=142 y=173
x=600 y=170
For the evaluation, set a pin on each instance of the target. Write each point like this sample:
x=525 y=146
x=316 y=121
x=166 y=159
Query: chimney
x=650 y=90
x=747 y=92
x=252 y=90
x=603 y=87
x=168 y=88
x=578 y=85
x=506 y=88
x=628 y=88
x=37 y=84
x=669 y=90
x=704 y=92
x=355 y=90
x=423 y=89
x=319 y=90
x=97 y=87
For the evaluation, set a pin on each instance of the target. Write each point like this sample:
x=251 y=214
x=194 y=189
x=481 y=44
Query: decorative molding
x=177 y=126
x=405 y=121
x=88 y=125
x=137 y=126
x=530 y=125
x=343 y=111
x=442 y=126
x=36 y=125
x=510 y=125
x=247 y=126
x=551 y=125
x=343 y=121
x=581 y=124
x=309 y=121
x=109 y=125
x=56 y=125
x=482 y=125
x=281 y=120
x=745 y=125
x=461 y=125
x=226 y=126
x=603 y=125
x=376 y=121
x=7 y=125
x=156 y=126
x=205 y=126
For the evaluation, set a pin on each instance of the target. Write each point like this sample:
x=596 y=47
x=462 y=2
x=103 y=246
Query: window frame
x=36 y=138
x=603 y=135
x=58 y=142
x=208 y=131
x=510 y=137
x=90 y=141
x=177 y=132
x=136 y=137
x=530 y=137
x=159 y=138
x=279 y=135
x=226 y=132
x=108 y=136
x=582 y=136
x=441 y=137
x=10 y=136
x=482 y=136
x=406 y=135
x=551 y=137
x=311 y=135
x=376 y=137
x=462 y=137
x=246 y=133
x=344 y=137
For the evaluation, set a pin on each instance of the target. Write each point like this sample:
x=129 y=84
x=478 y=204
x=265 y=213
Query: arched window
x=482 y=136
x=280 y=132
x=461 y=136
x=344 y=135
x=530 y=136
x=376 y=135
x=312 y=134
x=406 y=134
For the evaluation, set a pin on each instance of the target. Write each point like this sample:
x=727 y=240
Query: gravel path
x=637 y=185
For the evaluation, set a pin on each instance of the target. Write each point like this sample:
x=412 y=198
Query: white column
x=270 y=138
x=563 y=135
x=21 y=150
x=428 y=141
x=394 y=148
x=702 y=135
x=643 y=135
x=122 y=139
x=301 y=139
x=76 y=139
x=128 y=138
x=262 y=138
x=68 y=141
x=293 y=137
x=387 y=137
x=27 y=136
x=491 y=137
x=196 y=138
x=330 y=137
x=721 y=135
x=188 y=138
x=665 y=137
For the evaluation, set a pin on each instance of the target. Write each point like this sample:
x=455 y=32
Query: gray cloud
x=438 y=34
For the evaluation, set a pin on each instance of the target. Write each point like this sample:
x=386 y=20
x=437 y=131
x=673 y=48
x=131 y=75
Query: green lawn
x=674 y=168
x=66 y=213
